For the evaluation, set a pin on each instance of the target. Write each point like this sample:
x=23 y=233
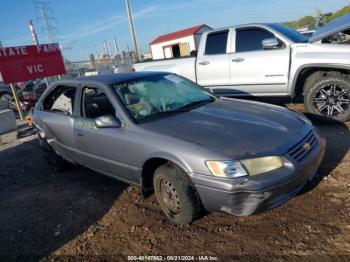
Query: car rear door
x=255 y=70
x=212 y=65
x=57 y=119
x=102 y=149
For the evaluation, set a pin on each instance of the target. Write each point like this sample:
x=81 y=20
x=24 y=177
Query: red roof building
x=177 y=44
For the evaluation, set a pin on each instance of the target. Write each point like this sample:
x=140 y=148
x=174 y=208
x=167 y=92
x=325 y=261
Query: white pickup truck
x=272 y=60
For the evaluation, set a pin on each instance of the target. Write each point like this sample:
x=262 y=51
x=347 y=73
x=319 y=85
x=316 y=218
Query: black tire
x=176 y=194
x=328 y=95
x=5 y=99
x=57 y=163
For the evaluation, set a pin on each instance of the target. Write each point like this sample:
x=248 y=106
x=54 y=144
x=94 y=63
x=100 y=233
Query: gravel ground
x=81 y=214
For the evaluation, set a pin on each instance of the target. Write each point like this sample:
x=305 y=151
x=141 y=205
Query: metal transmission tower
x=45 y=13
x=132 y=29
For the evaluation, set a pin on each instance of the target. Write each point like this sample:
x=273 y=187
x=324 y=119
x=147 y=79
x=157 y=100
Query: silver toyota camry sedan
x=169 y=136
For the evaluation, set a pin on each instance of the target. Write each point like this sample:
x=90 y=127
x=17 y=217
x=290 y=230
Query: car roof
x=118 y=77
x=244 y=25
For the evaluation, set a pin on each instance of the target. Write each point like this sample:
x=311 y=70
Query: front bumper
x=247 y=196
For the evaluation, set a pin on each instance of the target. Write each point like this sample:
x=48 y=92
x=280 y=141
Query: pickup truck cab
x=271 y=60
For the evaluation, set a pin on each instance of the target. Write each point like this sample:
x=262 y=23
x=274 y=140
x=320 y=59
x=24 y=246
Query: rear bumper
x=250 y=196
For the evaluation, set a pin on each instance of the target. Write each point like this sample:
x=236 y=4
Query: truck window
x=250 y=39
x=216 y=43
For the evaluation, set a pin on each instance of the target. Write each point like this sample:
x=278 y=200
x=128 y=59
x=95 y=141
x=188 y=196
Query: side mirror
x=270 y=43
x=107 y=121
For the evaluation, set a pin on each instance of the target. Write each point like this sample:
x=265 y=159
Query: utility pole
x=36 y=42
x=132 y=29
x=105 y=46
x=32 y=31
x=109 y=49
x=43 y=9
x=116 y=45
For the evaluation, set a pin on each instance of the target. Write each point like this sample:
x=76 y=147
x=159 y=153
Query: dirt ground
x=83 y=215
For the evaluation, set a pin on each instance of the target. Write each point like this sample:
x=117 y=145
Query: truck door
x=255 y=69
x=213 y=67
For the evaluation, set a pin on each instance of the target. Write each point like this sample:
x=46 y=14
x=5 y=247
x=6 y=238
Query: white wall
x=157 y=49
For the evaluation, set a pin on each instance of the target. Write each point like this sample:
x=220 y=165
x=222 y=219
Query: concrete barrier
x=8 y=126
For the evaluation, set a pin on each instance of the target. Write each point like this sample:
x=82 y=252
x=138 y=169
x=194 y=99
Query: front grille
x=301 y=150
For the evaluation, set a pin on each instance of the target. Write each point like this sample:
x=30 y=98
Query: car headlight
x=226 y=169
x=260 y=165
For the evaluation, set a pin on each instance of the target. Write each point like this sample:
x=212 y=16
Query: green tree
x=309 y=21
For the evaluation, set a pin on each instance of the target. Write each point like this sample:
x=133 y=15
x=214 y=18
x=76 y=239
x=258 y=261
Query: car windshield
x=160 y=95
x=290 y=33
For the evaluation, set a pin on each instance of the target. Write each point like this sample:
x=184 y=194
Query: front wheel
x=176 y=194
x=329 y=96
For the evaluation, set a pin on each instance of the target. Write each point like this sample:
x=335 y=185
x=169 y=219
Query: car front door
x=256 y=70
x=213 y=67
x=101 y=149
x=57 y=118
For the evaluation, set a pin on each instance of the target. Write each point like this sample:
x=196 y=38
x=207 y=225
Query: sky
x=83 y=25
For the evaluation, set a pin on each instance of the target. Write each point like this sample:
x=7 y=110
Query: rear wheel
x=5 y=100
x=57 y=163
x=329 y=96
x=176 y=194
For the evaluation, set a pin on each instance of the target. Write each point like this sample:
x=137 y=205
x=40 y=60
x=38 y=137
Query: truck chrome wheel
x=331 y=100
x=168 y=197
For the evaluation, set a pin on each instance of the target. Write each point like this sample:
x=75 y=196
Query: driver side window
x=250 y=39
x=95 y=103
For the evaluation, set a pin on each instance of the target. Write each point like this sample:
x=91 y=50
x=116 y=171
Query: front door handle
x=238 y=60
x=204 y=63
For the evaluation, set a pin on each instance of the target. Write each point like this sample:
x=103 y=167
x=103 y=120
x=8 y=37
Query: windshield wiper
x=196 y=103
x=162 y=113
x=183 y=108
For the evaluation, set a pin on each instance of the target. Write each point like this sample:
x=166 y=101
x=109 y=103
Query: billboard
x=21 y=63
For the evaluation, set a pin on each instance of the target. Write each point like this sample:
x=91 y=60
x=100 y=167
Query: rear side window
x=216 y=43
x=60 y=100
x=251 y=39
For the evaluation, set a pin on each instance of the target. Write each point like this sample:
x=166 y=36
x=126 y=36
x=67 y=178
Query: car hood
x=236 y=128
x=337 y=25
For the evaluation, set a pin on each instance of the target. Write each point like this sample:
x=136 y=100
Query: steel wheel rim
x=5 y=98
x=168 y=197
x=331 y=100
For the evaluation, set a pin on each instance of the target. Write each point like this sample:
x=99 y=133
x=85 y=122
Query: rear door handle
x=204 y=63
x=238 y=60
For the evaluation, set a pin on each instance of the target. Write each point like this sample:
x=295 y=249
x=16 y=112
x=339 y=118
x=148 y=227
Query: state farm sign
x=21 y=63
